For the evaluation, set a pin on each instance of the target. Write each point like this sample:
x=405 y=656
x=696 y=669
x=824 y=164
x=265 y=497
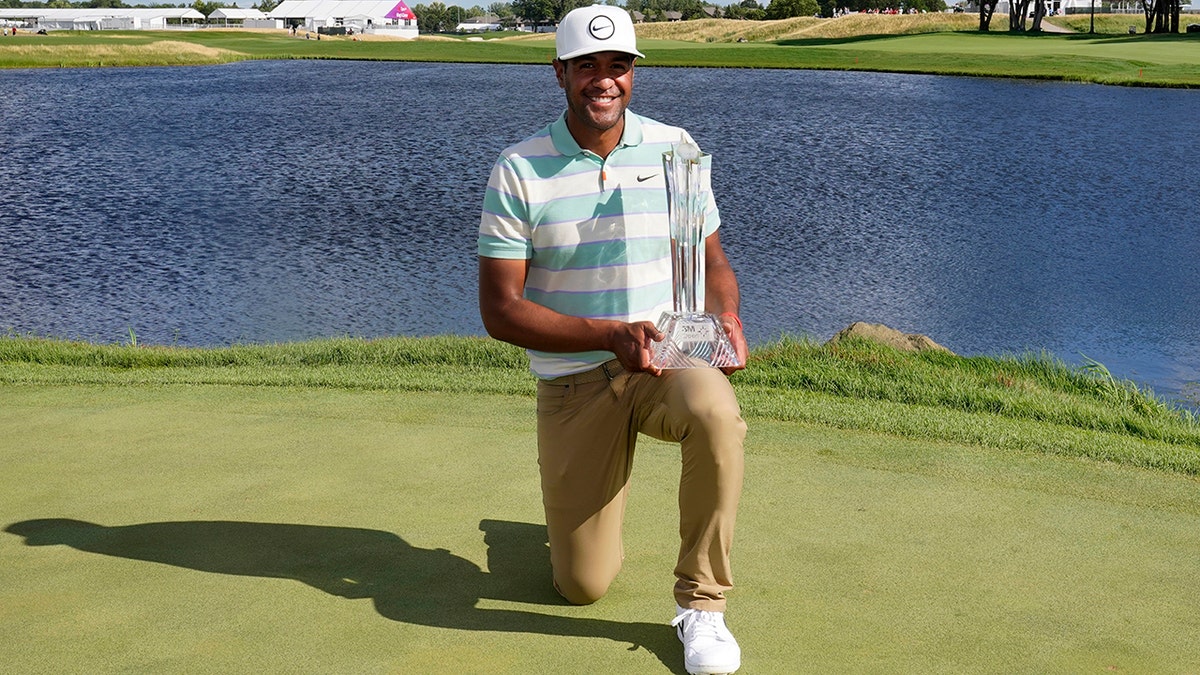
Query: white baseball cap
x=599 y=28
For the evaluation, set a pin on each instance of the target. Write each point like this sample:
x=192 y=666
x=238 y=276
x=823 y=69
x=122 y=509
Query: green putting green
x=212 y=528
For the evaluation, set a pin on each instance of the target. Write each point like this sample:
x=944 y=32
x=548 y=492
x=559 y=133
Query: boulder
x=877 y=332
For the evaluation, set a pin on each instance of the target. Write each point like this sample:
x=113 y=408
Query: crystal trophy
x=694 y=338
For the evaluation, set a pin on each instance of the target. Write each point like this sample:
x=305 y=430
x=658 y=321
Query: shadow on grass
x=823 y=41
x=429 y=587
x=1106 y=38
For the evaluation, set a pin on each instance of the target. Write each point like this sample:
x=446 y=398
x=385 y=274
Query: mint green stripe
x=496 y=247
x=603 y=254
x=597 y=304
x=539 y=167
x=498 y=203
x=585 y=208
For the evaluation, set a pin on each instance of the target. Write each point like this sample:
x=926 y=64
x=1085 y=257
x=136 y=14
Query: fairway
x=933 y=44
x=1169 y=51
x=211 y=528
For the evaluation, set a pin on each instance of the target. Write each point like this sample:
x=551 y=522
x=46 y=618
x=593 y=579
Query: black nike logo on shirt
x=643 y=179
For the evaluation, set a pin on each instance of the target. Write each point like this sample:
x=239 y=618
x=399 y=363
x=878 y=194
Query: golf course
x=349 y=505
x=364 y=506
x=945 y=44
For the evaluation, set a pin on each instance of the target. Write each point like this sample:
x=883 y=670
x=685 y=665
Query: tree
x=206 y=8
x=688 y=9
x=786 y=9
x=265 y=6
x=1162 y=16
x=545 y=12
x=1018 y=9
x=503 y=11
x=1039 y=11
x=746 y=9
x=986 y=9
x=433 y=18
x=537 y=12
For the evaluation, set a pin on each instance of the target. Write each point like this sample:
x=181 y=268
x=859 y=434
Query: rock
x=877 y=332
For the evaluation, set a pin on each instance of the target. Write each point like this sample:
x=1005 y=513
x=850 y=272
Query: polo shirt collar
x=565 y=143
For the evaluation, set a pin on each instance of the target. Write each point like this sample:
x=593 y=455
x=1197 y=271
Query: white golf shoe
x=708 y=646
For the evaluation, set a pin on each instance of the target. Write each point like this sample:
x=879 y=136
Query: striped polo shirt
x=594 y=230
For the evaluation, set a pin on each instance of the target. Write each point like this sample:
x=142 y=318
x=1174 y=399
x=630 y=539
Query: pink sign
x=401 y=11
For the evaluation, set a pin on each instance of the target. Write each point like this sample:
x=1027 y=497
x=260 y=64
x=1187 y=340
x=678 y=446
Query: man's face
x=598 y=88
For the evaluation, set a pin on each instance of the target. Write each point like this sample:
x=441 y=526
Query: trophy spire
x=694 y=338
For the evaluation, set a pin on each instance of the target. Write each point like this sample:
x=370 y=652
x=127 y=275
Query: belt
x=604 y=372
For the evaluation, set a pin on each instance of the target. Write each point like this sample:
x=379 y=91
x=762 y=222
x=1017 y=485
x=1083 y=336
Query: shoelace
x=698 y=623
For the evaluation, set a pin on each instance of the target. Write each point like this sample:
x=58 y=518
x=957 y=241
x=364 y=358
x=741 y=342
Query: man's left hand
x=733 y=328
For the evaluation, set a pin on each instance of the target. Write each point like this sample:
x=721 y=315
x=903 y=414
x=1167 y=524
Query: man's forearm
x=527 y=324
x=721 y=291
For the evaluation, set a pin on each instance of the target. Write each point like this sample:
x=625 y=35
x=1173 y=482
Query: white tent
x=391 y=17
x=245 y=18
x=104 y=18
x=234 y=15
x=478 y=24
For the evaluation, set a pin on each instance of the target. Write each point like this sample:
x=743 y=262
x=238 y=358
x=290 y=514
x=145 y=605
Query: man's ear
x=559 y=68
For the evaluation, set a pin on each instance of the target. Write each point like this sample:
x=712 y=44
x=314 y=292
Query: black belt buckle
x=604 y=367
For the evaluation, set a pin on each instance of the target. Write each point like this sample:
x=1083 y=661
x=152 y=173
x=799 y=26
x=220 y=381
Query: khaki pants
x=587 y=429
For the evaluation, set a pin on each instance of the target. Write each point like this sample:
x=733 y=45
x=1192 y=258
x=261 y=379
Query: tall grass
x=1105 y=24
x=728 y=30
x=1030 y=403
x=29 y=54
x=1033 y=387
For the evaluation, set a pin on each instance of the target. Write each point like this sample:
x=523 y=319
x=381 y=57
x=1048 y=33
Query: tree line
x=1162 y=16
x=437 y=17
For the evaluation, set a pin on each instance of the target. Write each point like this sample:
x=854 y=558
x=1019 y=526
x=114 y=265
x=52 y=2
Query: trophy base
x=692 y=341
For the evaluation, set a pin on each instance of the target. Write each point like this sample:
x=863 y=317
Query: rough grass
x=164 y=52
x=1106 y=24
x=1029 y=403
x=859 y=25
x=729 y=30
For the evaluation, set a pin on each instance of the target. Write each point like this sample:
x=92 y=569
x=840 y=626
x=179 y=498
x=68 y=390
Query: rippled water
x=274 y=201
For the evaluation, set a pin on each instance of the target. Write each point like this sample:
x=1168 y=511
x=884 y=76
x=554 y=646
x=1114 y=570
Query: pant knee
x=581 y=591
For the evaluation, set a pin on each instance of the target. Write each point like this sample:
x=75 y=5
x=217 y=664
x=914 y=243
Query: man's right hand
x=633 y=344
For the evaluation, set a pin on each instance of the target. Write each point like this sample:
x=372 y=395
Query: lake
x=278 y=201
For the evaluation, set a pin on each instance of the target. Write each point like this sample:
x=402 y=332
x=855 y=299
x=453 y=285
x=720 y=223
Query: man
x=575 y=266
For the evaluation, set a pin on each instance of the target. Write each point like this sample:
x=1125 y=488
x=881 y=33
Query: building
x=103 y=18
x=234 y=17
x=478 y=24
x=381 y=17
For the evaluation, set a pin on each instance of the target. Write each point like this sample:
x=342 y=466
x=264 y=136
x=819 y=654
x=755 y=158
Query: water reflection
x=274 y=201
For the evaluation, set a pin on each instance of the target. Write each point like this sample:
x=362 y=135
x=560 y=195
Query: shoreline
x=916 y=44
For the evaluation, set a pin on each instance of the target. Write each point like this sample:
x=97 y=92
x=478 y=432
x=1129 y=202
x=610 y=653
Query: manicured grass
x=1027 y=404
x=939 y=46
x=153 y=523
